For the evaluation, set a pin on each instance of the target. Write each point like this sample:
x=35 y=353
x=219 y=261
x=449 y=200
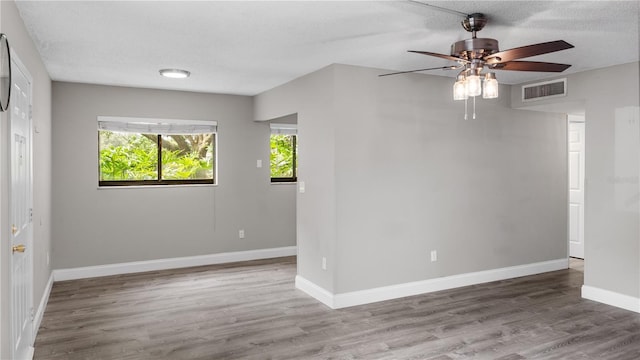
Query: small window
x=284 y=149
x=156 y=152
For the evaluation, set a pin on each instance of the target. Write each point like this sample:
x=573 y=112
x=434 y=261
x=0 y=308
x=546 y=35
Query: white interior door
x=20 y=213
x=576 y=188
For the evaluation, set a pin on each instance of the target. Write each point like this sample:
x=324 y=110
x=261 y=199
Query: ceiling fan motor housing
x=475 y=48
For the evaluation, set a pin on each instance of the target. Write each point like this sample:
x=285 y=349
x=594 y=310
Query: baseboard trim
x=338 y=301
x=611 y=298
x=172 y=263
x=315 y=291
x=37 y=318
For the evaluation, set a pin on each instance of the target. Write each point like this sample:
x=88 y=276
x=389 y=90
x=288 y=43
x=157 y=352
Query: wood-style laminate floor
x=251 y=310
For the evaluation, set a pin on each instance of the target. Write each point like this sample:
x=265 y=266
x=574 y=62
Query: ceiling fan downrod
x=474 y=48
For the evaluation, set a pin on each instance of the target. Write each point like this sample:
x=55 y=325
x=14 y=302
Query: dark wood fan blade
x=527 y=51
x=530 y=66
x=448 y=57
x=412 y=71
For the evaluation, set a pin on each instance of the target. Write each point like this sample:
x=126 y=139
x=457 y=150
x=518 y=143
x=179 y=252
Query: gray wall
x=312 y=98
x=392 y=171
x=612 y=206
x=104 y=226
x=11 y=25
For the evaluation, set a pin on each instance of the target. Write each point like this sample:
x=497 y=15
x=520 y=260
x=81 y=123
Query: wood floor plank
x=251 y=310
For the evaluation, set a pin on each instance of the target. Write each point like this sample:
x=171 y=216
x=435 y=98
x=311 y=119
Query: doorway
x=576 y=147
x=20 y=211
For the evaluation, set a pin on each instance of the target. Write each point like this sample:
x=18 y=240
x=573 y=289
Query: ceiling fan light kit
x=475 y=54
x=460 y=89
x=490 y=86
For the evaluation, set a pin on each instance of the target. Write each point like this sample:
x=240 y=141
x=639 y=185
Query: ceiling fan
x=475 y=54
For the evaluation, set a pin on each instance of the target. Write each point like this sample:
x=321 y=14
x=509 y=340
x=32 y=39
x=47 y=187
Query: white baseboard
x=315 y=291
x=337 y=301
x=172 y=263
x=611 y=298
x=37 y=318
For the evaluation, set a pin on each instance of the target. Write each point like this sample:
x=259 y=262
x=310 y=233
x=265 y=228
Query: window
x=284 y=149
x=135 y=151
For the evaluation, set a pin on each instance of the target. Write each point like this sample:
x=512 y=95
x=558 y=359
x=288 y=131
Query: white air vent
x=544 y=90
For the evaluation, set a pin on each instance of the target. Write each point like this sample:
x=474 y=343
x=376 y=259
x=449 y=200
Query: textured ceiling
x=243 y=47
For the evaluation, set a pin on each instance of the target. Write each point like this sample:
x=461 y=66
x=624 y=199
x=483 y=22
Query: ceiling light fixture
x=471 y=83
x=175 y=73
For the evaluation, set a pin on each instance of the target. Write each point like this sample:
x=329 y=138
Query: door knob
x=18 y=248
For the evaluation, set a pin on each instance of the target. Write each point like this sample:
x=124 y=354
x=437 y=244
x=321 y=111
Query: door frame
x=19 y=65
x=571 y=118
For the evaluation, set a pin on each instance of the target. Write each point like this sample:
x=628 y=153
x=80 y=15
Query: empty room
x=319 y=180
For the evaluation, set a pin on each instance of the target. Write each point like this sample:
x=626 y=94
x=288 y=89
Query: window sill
x=155 y=186
x=284 y=183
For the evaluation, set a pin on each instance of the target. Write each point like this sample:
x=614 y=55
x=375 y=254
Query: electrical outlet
x=434 y=255
x=241 y=234
x=301 y=187
x=259 y=164
x=324 y=263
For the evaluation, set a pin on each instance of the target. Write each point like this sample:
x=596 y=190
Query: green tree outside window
x=283 y=159
x=134 y=159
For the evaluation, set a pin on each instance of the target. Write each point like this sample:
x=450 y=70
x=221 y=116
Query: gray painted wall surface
x=612 y=206
x=409 y=175
x=312 y=98
x=11 y=24
x=414 y=176
x=104 y=226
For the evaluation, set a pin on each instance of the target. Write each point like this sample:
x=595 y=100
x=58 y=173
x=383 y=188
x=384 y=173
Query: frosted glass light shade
x=460 y=89
x=474 y=85
x=490 y=86
x=175 y=73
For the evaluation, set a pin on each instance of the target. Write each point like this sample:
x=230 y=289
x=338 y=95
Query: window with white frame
x=141 y=151
x=284 y=152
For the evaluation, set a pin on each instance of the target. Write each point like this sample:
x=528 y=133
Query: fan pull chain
x=465 y=110
x=474 y=108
